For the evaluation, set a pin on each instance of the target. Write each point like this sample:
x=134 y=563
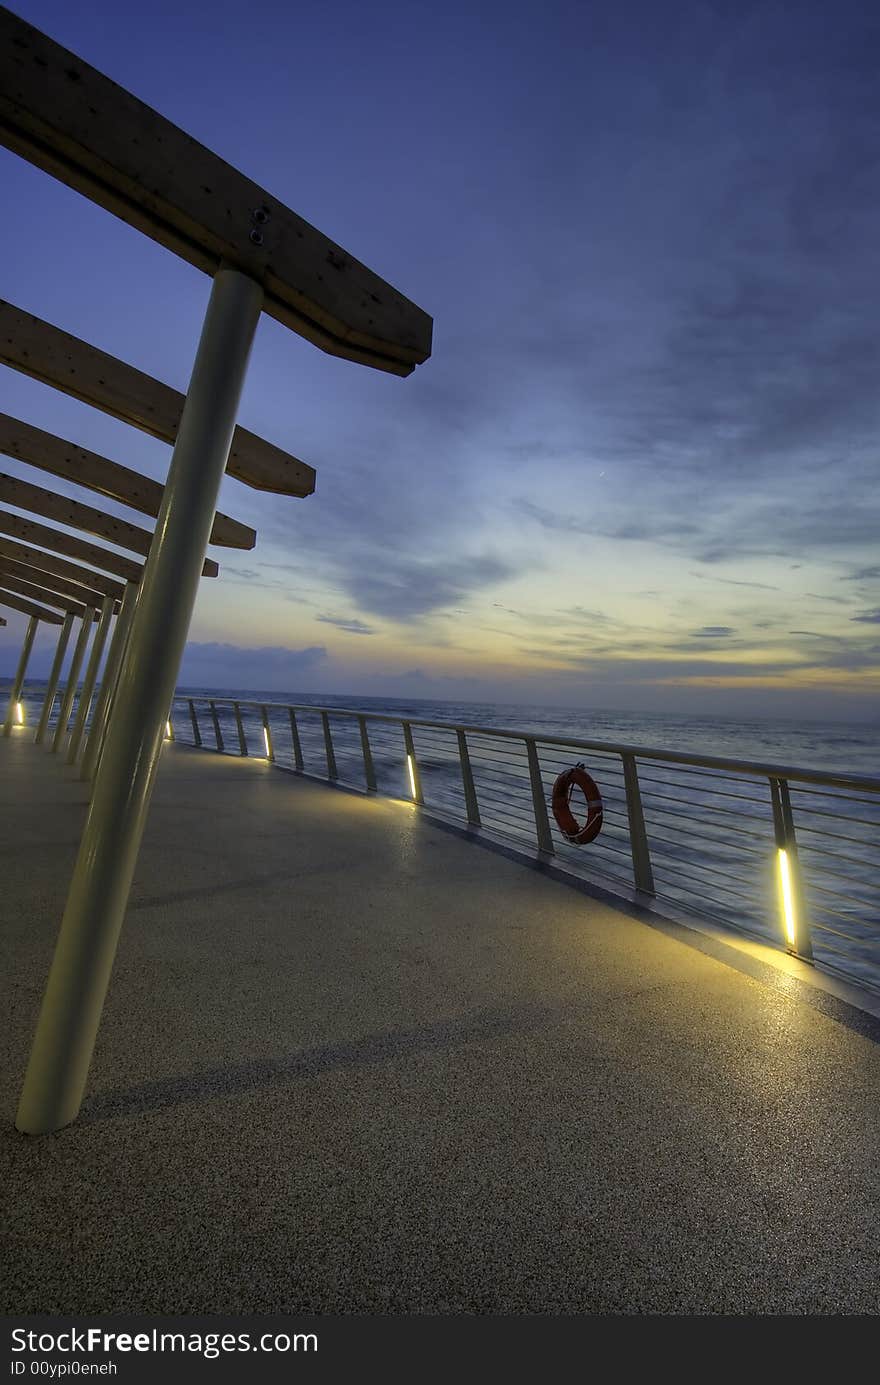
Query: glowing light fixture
x=267 y=742
x=168 y=730
x=19 y=713
x=787 y=899
x=412 y=774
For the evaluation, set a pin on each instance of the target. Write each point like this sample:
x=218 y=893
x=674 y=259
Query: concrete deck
x=352 y=1063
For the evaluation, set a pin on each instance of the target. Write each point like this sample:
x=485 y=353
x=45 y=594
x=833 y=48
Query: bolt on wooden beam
x=73 y=122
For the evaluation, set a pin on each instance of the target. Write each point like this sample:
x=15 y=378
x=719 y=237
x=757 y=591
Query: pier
x=351 y=1062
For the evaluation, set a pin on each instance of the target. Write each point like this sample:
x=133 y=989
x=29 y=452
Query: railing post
x=267 y=735
x=467 y=779
x=539 y=802
x=19 y=673
x=638 y=837
x=52 y=685
x=79 y=651
x=793 y=904
x=242 y=740
x=328 y=747
x=197 y=735
x=415 y=778
x=294 y=736
x=218 y=734
x=109 y=680
x=90 y=679
x=369 y=770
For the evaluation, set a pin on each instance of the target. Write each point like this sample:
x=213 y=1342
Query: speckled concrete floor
x=352 y=1063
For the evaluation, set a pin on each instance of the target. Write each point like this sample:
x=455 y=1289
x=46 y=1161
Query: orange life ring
x=566 y=821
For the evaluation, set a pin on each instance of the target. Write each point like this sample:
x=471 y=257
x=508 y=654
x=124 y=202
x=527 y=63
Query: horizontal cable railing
x=787 y=855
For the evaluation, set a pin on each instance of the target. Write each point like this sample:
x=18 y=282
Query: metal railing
x=787 y=855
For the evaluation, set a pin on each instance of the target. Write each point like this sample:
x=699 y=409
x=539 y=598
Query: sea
x=710 y=834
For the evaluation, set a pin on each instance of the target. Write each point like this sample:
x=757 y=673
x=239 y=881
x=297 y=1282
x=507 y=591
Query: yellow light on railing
x=19 y=713
x=787 y=899
x=267 y=742
x=412 y=774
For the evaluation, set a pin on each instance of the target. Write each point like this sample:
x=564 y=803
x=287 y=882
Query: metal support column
x=369 y=770
x=79 y=653
x=242 y=738
x=218 y=734
x=539 y=802
x=197 y=735
x=412 y=764
x=83 y=960
x=19 y=674
x=328 y=746
x=52 y=685
x=297 y=744
x=467 y=779
x=103 y=706
x=91 y=678
x=795 y=916
x=267 y=735
x=638 y=837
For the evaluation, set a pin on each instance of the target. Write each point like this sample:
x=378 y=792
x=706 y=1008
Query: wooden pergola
x=78 y=125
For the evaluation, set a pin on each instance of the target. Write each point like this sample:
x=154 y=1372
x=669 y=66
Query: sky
x=640 y=469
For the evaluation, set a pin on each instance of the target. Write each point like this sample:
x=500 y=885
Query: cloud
x=734 y=582
x=403 y=586
x=868 y=617
x=351 y=627
x=712 y=632
x=217 y=665
x=863 y=574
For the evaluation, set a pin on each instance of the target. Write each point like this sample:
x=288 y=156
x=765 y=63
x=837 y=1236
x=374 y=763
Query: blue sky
x=639 y=470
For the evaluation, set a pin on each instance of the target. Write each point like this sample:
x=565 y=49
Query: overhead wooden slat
x=88 y=596
x=27 y=608
x=73 y=122
x=48 y=562
x=29 y=531
x=37 y=593
x=56 y=358
x=85 y=468
x=51 y=506
x=2 y=620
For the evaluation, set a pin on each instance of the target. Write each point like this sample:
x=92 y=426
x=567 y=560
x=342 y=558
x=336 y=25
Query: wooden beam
x=27 y=608
x=32 y=445
x=86 y=596
x=51 y=506
x=48 y=562
x=56 y=358
x=29 y=531
x=38 y=593
x=2 y=620
x=76 y=124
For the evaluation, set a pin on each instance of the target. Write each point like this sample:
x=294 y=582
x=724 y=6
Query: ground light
x=412 y=776
x=267 y=742
x=169 y=734
x=788 y=912
x=19 y=713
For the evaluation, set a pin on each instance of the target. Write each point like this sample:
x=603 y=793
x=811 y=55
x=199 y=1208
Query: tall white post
x=79 y=653
x=91 y=678
x=20 y=672
x=95 y=738
x=51 y=686
x=80 y=972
